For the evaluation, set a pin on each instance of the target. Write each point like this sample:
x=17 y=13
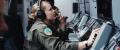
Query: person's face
x=50 y=13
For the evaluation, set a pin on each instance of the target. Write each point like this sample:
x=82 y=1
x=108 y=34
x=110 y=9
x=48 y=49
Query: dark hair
x=55 y=7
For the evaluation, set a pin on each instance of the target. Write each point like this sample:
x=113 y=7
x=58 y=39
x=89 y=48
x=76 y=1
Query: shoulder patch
x=48 y=31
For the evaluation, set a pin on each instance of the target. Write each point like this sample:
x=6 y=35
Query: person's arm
x=90 y=41
x=54 y=43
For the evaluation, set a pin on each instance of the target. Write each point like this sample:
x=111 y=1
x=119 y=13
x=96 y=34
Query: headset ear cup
x=41 y=15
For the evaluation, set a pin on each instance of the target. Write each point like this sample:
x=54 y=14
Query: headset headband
x=39 y=3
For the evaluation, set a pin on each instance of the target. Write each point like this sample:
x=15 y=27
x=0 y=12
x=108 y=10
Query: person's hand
x=62 y=19
x=62 y=22
x=93 y=36
x=89 y=42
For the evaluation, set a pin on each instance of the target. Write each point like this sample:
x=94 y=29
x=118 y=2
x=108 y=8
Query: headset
x=40 y=13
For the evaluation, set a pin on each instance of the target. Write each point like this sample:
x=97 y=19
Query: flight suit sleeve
x=54 y=43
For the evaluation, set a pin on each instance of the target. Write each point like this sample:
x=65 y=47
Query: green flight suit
x=38 y=39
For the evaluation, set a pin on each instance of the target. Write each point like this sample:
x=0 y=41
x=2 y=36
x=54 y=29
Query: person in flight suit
x=44 y=36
